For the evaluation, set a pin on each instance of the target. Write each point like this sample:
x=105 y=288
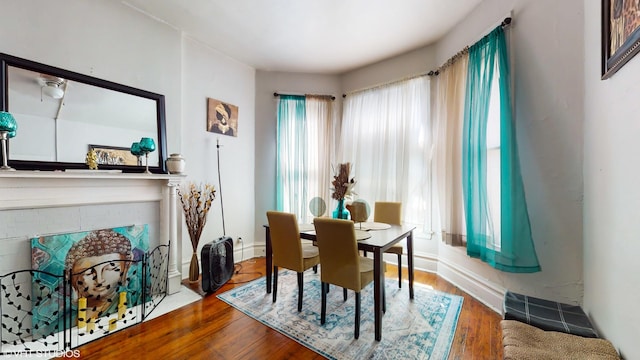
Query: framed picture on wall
x=222 y=118
x=620 y=34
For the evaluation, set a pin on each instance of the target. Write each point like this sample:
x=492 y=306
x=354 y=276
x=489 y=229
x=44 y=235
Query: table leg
x=378 y=283
x=269 y=259
x=410 y=262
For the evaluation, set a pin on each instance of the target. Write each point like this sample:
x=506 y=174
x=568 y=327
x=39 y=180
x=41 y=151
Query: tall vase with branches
x=196 y=202
x=342 y=188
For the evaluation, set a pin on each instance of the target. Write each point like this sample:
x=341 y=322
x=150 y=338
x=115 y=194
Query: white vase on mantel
x=175 y=164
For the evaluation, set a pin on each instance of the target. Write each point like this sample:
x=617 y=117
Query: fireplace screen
x=82 y=286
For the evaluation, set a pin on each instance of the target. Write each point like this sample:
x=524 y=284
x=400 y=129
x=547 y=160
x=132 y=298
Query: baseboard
x=484 y=291
x=421 y=261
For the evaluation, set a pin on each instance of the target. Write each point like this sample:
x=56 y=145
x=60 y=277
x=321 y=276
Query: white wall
x=415 y=62
x=611 y=193
x=210 y=74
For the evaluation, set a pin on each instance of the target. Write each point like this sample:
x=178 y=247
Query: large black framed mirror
x=61 y=114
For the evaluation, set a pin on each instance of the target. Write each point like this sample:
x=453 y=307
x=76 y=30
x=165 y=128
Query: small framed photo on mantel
x=620 y=34
x=222 y=118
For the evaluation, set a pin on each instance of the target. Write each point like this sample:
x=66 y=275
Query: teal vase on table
x=341 y=212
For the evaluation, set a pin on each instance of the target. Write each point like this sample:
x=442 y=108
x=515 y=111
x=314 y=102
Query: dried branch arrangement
x=196 y=202
x=342 y=185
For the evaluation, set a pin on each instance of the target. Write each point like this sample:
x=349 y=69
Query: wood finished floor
x=211 y=329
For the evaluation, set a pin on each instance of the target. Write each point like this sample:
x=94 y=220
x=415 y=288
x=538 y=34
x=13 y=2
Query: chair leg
x=300 y=282
x=356 y=333
x=344 y=294
x=323 y=312
x=400 y=271
x=384 y=299
x=275 y=282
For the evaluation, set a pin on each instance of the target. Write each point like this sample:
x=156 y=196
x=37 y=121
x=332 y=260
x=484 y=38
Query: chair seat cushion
x=366 y=264
x=309 y=251
x=395 y=249
x=548 y=315
x=523 y=342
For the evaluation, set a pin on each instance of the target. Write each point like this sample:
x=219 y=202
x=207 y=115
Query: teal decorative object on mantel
x=147 y=145
x=136 y=151
x=8 y=128
x=342 y=188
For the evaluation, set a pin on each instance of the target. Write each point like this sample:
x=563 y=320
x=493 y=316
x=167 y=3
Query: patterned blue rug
x=420 y=329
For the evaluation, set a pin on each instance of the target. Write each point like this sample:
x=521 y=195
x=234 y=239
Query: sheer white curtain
x=305 y=130
x=386 y=137
x=448 y=123
x=320 y=124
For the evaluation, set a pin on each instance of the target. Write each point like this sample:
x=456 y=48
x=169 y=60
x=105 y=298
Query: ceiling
x=311 y=36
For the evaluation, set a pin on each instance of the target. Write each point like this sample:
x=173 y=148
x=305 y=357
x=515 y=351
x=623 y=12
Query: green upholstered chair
x=390 y=213
x=340 y=262
x=288 y=250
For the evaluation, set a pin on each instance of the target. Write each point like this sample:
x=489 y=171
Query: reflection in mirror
x=82 y=114
x=61 y=115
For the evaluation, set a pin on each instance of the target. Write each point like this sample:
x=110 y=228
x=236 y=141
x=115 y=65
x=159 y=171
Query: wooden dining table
x=377 y=243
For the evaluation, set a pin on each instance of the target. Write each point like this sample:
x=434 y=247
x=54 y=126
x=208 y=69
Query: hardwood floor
x=211 y=329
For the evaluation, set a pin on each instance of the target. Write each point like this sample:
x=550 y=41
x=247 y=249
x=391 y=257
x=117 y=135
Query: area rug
x=422 y=328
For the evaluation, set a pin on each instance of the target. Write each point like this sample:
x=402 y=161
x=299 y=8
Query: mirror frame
x=161 y=148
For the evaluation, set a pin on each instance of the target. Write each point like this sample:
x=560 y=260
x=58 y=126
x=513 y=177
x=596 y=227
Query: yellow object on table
x=123 y=298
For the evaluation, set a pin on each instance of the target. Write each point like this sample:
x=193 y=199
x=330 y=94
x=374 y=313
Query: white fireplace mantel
x=51 y=189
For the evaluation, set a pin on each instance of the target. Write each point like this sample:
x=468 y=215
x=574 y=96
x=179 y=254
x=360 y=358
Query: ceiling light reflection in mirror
x=59 y=118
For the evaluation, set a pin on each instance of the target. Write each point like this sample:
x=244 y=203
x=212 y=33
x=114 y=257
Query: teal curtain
x=515 y=251
x=291 y=175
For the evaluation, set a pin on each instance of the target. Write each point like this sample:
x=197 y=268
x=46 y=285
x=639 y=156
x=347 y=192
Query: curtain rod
x=505 y=23
x=276 y=94
x=410 y=77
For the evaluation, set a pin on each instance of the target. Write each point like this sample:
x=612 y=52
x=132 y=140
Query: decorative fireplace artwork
x=82 y=286
x=104 y=267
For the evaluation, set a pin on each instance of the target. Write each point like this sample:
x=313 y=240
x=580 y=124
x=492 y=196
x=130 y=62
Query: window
x=498 y=228
x=386 y=136
x=303 y=162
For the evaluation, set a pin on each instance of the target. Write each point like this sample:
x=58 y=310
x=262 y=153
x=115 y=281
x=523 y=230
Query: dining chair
x=390 y=213
x=288 y=250
x=340 y=262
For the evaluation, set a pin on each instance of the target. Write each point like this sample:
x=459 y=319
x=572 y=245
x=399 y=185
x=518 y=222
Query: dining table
x=378 y=238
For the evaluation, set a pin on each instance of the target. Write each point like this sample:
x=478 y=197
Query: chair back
x=358 y=211
x=339 y=258
x=285 y=240
x=388 y=212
